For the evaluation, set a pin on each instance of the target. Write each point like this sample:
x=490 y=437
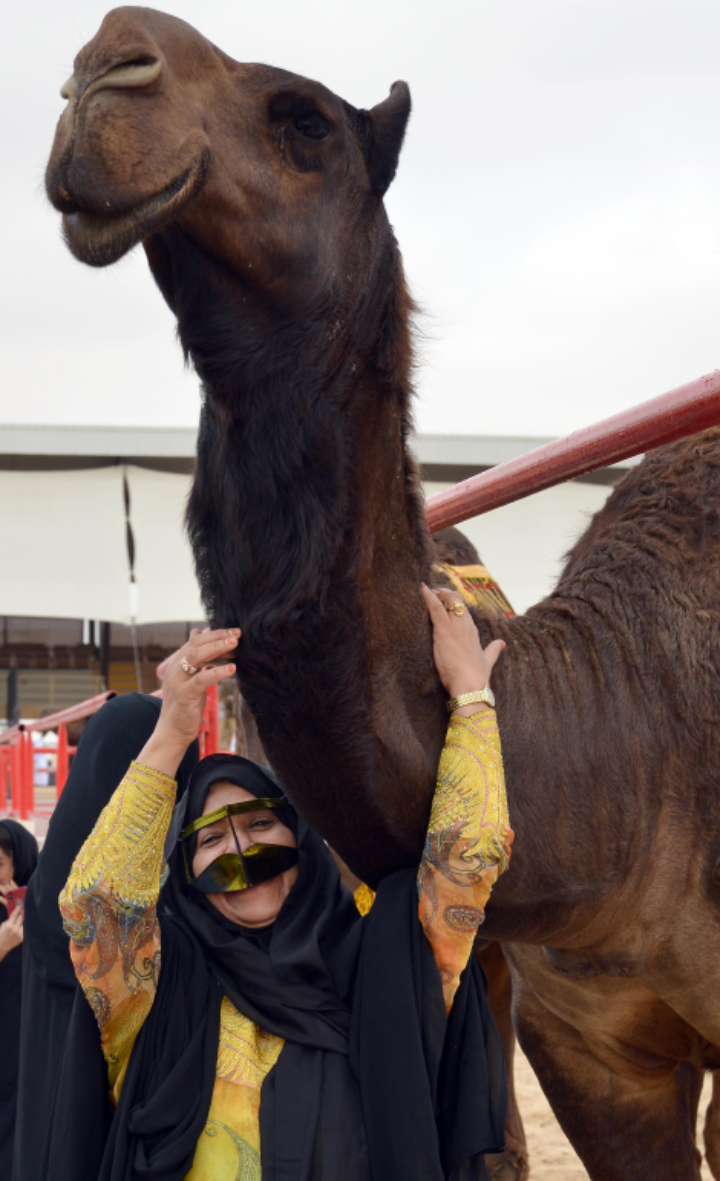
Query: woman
x=285 y=1038
x=18 y=858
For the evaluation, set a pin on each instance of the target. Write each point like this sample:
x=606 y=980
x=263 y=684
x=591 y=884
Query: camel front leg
x=624 y=1126
x=512 y=1164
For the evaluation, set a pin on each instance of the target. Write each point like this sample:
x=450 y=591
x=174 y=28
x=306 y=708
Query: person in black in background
x=59 y=1045
x=18 y=858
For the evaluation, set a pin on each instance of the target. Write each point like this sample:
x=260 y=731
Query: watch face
x=490 y=697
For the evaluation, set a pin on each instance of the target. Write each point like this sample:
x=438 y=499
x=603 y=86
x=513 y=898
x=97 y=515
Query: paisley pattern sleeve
x=467 y=845
x=109 y=911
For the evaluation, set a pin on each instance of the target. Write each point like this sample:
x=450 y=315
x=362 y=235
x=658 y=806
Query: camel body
x=258 y=198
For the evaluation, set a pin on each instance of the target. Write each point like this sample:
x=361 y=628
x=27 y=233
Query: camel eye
x=312 y=126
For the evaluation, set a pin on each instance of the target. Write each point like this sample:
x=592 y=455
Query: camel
x=258 y=198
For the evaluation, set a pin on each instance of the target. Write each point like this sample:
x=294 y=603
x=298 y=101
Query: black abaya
x=60 y=1055
x=25 y=852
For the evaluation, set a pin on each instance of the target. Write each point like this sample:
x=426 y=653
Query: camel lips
x=101 y=239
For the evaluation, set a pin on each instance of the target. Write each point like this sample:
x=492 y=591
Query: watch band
x=485 y=695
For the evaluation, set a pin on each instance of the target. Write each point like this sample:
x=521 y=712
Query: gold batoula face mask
x=238 y=871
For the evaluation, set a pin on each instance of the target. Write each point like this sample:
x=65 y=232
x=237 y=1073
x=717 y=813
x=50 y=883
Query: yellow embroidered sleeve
x=364 y=898
x=108 y=908
x=467 y=845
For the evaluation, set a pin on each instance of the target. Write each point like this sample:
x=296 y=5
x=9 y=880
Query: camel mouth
x=100 y=239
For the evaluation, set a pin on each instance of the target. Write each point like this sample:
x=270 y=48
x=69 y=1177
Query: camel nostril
x=140 y=71
x=131 y=75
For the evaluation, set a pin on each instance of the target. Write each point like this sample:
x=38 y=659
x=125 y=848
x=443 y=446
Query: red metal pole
x=30 y=776
x=28 y=779
x=22 y=774
x=15 y=776
x=212 y=745
x=3 y=779
x=62 y=766
x=209 y=733
x=203 y=732
x=683 y=411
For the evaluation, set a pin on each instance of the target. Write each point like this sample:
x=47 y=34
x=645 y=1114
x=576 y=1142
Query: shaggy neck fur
x=308 y=532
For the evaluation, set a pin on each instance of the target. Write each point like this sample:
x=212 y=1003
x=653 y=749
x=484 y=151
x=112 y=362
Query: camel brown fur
x=257 y=195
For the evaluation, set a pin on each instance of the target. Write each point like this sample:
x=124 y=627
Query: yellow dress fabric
x=467 y=845
x=109 y=910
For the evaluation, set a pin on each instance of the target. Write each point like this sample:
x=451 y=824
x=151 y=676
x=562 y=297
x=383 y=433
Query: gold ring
x=188 y=668
x=457 y=608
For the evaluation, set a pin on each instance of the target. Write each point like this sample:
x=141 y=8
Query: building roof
x=43 y=447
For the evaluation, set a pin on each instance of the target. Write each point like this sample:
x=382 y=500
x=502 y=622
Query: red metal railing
x=17 y=749
x=74 y=713
x=17 y=755
x=692 y=407
x=18 y=771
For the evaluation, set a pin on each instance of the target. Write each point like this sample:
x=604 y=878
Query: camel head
x=267 y=171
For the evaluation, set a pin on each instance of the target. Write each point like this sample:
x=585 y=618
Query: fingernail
x=230 y=668
x=231 y=642
x=235 y=631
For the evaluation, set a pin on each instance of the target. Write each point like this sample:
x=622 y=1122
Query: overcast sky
x=557 y=204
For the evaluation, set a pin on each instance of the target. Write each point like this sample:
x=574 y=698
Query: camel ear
x=388 y=121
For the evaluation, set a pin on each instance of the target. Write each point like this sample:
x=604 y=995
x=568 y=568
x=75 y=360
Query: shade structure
x=64 y=546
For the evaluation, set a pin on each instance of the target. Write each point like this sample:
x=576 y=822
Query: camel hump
x=455 y=549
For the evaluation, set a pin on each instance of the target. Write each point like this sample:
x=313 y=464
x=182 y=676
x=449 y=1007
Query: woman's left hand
x=462 y=663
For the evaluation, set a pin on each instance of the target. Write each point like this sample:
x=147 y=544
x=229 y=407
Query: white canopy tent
x=63 y=541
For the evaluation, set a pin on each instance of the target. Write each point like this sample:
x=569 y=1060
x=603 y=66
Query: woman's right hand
x=462 y=663
x=11 y=932
x=184 y=696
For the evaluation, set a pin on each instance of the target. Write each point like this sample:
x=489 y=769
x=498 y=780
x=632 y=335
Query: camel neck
x=302 y=451
x=308 y=529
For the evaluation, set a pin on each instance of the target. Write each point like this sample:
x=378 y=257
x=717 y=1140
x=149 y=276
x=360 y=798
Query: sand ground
x=551 y=1157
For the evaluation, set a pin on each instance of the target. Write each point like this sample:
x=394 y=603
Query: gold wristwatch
x=485 y=695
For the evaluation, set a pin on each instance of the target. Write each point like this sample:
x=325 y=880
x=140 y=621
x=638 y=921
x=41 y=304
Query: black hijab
x=24 y=855
x=373 y=1083
x=24 y=849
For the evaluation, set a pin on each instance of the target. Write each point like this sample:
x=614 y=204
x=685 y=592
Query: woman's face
x=7 y=868
x=260 y=905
